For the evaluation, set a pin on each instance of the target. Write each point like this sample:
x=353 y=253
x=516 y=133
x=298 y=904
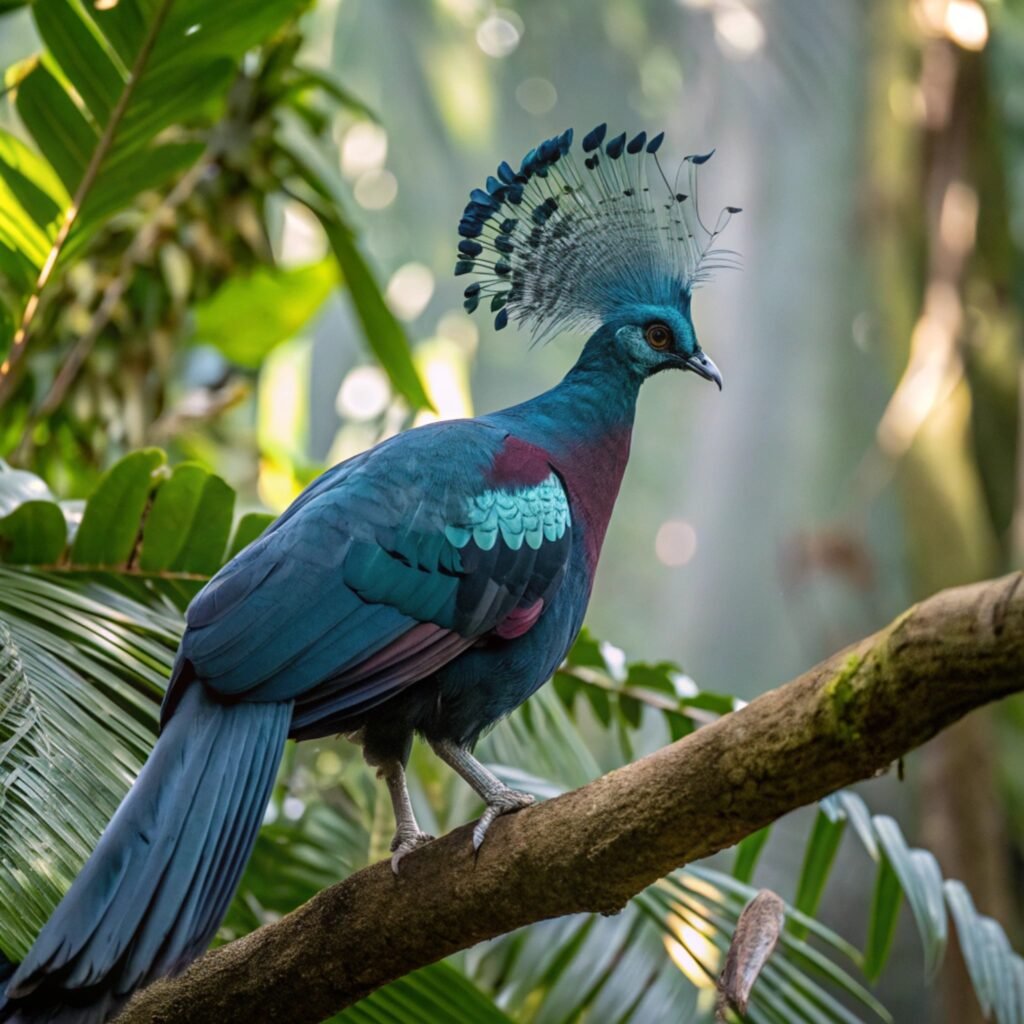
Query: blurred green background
x=865 y=450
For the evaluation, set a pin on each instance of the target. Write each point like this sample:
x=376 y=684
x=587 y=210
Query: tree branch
x=591 y=850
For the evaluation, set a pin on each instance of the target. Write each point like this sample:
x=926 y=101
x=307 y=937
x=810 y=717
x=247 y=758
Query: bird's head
x=607 y=244
x=653 y=338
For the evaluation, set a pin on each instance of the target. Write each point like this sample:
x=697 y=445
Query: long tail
x=158 y=884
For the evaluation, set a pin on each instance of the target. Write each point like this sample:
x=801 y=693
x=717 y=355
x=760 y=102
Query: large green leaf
x=188 y=526
x=250 y=315
x=885 y=908
x=819 y=856
x=35 y=533
x=110 y=524
x=99 y=106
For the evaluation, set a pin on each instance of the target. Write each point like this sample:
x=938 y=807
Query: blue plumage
x=429 y=585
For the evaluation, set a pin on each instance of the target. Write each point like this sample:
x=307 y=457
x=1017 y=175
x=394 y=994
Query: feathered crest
x=560 y=246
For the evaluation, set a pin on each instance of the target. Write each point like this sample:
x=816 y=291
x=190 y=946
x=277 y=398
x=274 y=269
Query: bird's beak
x=703 y=366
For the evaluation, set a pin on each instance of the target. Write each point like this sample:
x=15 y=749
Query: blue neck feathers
x=594 y=402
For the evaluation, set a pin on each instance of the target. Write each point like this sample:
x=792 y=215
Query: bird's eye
x=658 y=336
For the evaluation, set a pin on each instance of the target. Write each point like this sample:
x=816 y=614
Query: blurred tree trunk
x=927 y=433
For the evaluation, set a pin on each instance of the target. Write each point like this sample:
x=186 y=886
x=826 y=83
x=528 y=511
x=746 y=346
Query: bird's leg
x=407 y=832
x=500 y=799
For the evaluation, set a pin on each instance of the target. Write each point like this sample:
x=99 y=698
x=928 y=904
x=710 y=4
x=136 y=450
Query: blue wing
x=383 y=570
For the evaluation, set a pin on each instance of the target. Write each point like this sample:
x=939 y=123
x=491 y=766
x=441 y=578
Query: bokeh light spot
x=364 y=394
x=445 y=373
x=536 y=95
x=499 y=34
x=675 y=543
x=966 y=24
x=328 y=763
x=409 y=290
x=739 y=31
x=375 y=190
x=364 y=148
x=460 y=328
x=302 y=238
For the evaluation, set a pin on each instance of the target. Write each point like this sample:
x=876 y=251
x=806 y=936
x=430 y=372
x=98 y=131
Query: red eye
x=658 y=336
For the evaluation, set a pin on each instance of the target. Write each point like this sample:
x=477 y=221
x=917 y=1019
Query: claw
x=505 y=802
x=401 y=845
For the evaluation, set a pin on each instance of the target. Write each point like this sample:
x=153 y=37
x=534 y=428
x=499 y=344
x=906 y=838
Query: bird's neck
x=584 y=424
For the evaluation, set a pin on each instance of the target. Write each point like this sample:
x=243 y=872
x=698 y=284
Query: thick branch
x=591 y=850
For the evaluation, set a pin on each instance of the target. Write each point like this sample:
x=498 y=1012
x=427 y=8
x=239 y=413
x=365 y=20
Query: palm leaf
x=81 y=673
x=437 y=993
x=101 y=107
x=547 y=732
x=674 y=934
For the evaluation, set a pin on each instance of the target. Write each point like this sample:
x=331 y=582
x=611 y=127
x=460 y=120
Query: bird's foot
x=503 y=801
x=406 y=842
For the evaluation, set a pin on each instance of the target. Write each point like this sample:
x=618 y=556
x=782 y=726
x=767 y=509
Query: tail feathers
x=152 y=894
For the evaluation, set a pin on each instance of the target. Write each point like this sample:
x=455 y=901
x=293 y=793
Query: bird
x=426 y=587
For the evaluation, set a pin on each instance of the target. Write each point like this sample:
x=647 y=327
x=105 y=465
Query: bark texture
x=591 y=850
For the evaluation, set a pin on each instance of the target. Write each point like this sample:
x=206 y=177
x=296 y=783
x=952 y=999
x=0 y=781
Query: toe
x=403 y=846
x=507 y=802
x=480 y=830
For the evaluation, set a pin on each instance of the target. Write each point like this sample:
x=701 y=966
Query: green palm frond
x=436 y=993
x=82 y=670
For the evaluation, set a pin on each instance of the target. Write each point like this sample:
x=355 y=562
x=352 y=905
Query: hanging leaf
x=885 y=909
x=921 y=880
x=188 y=526
x=382 y=331
x=249 y=316
x=753 y=942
